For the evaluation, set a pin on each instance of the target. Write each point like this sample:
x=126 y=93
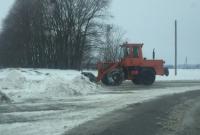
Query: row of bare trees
x=52 y=33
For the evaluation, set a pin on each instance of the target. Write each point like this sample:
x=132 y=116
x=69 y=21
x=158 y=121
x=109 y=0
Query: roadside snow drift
x=80 y=85
x=19 y=84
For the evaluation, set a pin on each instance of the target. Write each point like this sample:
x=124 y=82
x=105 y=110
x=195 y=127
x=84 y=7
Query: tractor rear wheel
x=137 y=80
x=148 y=77
x=113 y=78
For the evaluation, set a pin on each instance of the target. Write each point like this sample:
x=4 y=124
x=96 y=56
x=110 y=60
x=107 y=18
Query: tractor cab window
x=135 y=52
x=126 y=52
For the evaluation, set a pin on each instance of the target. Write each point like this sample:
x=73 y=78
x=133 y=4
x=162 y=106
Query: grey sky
x=152 y=23
x=5 y=5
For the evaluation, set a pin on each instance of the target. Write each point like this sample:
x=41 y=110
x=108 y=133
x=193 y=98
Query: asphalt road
x=170 y=115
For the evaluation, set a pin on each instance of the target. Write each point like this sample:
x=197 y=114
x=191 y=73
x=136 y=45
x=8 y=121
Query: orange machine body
x=131 y=63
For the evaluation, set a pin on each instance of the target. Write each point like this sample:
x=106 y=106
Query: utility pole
x=175 y=66
x=154 y=54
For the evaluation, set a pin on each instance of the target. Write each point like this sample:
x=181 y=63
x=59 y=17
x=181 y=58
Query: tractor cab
x=132 y=51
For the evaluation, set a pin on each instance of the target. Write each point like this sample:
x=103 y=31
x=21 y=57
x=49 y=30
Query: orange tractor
x=132 y=66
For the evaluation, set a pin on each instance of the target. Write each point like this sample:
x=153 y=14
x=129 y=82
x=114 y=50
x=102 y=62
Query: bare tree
x=52 y=33
x=110 y=51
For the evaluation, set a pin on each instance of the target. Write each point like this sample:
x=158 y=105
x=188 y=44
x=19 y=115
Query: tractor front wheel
x=113 y=78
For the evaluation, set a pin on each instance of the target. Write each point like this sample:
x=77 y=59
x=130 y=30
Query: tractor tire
x=113 y=78
x=148 y=77
x=137 y=80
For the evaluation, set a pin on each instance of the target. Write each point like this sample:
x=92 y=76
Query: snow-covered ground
x=50 y=102
x=183 y=74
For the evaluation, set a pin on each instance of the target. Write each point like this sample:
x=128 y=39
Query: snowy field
x=183 y=74
x=50 y=102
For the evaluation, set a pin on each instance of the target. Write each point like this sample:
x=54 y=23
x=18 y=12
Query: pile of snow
x=22 y=84
x=80 y=85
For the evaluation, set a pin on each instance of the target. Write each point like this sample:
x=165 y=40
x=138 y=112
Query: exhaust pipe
x=166 y=71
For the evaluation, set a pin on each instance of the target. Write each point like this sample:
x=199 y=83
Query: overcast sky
x=152 y=23
x=5 y=6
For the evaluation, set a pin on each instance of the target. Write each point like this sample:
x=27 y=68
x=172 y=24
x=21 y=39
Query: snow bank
x=21 y=84
x=80 y=85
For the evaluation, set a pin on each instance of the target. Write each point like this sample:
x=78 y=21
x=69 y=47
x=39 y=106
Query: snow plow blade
x=91 y=76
